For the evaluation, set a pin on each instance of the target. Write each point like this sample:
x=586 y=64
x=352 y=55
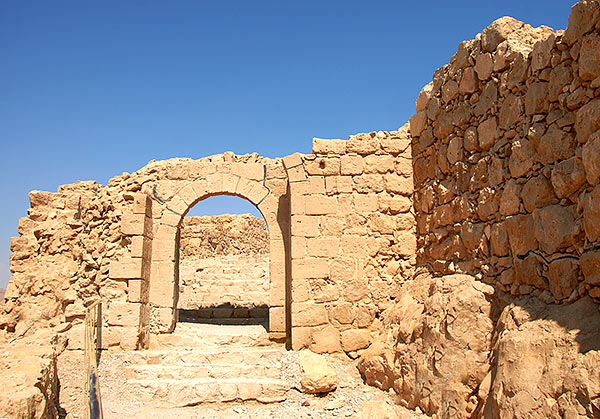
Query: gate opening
x=224 y=264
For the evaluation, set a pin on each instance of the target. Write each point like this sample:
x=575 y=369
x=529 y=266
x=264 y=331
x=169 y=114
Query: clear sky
x=89 y=90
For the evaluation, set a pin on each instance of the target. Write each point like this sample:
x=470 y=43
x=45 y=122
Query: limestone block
x=351 y=164
x=355 y=339
x=133 y=224
x=521 y=234
x=326 y=339
x=591 y=214
x=399 y=184
x=487 y=133
x=554 y=227
x=276 y=319
x=498 y=31
x=308 y=314
x=589 y=57
x=253 y=171
x=142 y=204
x=125 y=268
x=305 y=226
x=400 y=204
x=406 y=244
x=230 y=183
x=583 y=18
x=590 y=266
x=560 y=76
x=298 y=247
x=562 y=277
x=567 y=177
x=353 y=245
x=366 y=183
x=310 y=268
x=164 y=232
x=163 y=250
x=555 y=145
x=200 y=188
x=301 y=337
x=317 y=185
x=292 y=160
x=323 y=247
x=378 y=164
x=323 y=166
x=317 y=376
x=511 y=111
x=449 y=91
x=362 y=144
x=365 y=203
x=170 y=218
x=214 y=183
x=123 y=314
x=322 y=146
x=320 y=205
x=537 y=192
x=590 y=155
x=296 y=174
x=587 y=120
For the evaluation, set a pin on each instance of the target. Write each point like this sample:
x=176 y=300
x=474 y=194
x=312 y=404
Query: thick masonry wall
x=506 y=147
x=352 y=235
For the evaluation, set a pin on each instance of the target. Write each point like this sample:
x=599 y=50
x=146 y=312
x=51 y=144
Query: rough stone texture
x=534 y=166
x=317 y=376
x=496 y=176
x=434 y=351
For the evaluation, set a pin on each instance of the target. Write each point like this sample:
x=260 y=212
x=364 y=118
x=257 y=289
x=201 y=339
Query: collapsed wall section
x=506 y=148
x=352 y=237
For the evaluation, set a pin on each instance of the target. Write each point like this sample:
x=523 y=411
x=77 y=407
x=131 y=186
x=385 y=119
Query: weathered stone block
x=320 y=205
x=126 y=268
x=305 y=226
x=589 y=57
x=133 y=224
x=554 y=227
x=322 y=146
x=591 y=214
x=326 y=340
x=587 y=120
x=537 y=192
x=562 y=278
x=323 y=247
x=323 y=166
x=521 y=234
x=308 y=314
x=590 y=155
x=567 y=177
x=310 y=268
x=123 y=314
x=355 y=339
x=590 y=266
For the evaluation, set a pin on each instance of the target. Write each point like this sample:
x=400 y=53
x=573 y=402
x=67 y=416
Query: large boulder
x=435 y=346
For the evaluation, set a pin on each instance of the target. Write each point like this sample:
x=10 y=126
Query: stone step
x=200 y=335
x=201 y=371
x=184 y=392
x=265 y=357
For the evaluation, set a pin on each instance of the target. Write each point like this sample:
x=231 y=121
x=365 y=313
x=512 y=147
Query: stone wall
x=224 y=264
x=353 y=239
x=506 y=159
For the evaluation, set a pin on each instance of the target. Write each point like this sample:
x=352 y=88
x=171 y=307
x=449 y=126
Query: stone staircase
x=200 y=363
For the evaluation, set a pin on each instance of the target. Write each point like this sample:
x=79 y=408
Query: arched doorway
x=223 y=264
x=268 y=194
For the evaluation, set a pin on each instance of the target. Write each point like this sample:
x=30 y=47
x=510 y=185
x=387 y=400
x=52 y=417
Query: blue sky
x=89 y=90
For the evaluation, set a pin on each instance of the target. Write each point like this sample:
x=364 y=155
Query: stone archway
x=236 y=179
x=152 y=228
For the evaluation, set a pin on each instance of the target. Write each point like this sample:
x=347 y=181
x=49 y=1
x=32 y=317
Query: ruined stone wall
x=506 y=154
x=224 y=262
x=352 y=237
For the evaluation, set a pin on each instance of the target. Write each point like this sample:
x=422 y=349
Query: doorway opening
x=223 y=264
